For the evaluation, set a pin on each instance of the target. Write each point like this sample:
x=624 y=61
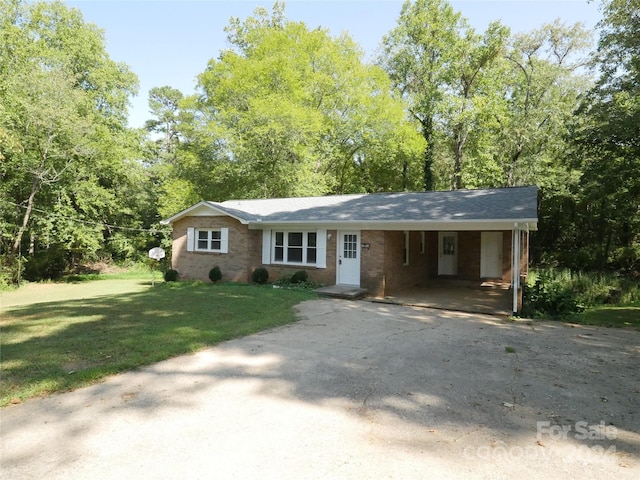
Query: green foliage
x=290 y=111
x=606 y=222
x=301 y=281
x=49 y=264
x=171 y=275
x=493 y=110
x=215 y=274
x=549 y=298
x=67 y=169
x=260 y=275
x=560 y=292
x=299 y=277
x=418 y=54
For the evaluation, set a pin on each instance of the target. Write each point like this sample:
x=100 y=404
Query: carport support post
x=515 y=270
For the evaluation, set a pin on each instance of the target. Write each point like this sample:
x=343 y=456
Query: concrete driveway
x=355 y=390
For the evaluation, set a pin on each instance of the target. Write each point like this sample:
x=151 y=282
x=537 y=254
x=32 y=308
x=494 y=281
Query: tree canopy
x=606 y=138
x=292 y=110
x=66 y=169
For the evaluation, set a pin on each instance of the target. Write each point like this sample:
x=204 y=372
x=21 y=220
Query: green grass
x=610 y=316
x=592 y=288
x=58 y=337
x=607 y=299
x=139 y=272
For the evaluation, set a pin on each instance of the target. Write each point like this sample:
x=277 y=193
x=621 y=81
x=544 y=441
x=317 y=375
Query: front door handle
x=340 y=262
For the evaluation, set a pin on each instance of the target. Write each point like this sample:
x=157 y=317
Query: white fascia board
x=416 y=225
x=202 y=209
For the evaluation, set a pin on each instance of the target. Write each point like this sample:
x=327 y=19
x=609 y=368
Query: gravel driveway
x=354 y=390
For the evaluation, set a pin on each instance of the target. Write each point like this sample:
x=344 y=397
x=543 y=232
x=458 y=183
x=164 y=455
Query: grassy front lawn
x=58 y=337
x=610 y=316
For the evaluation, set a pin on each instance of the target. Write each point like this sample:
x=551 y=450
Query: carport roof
x=518 y=204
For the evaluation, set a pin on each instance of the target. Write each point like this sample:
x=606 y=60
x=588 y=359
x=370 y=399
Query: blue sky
x=169 y=42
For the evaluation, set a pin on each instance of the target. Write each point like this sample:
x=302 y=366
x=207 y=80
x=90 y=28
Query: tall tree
x=164 y=105
x=540 y=93
x=441 y=67
x=289 y=111
x=63 y=116
x=607 y=139
x=418 y=55
x=470 y=99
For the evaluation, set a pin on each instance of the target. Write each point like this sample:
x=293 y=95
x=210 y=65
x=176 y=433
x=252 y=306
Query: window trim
x=209 y=239
x=193 y=238
x=285 y=247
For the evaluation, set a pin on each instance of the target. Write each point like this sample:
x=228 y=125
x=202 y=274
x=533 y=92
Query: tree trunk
x=25 y=220
x=457 y=166
x=427 y=132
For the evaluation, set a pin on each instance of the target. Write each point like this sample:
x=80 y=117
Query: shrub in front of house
x=171 y=275
x=215 y=274
x=260 y=275
x=299 y=280
x=301 y=276
x=549 y=297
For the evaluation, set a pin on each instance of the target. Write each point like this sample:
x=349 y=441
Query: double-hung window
x=208 y=240
x=298 y=248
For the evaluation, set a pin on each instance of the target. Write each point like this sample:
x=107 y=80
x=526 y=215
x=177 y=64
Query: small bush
x=260 y=275
x=171 y=275
x=590 y=289
x=49 y=264
x=287 y=281
x=550 y=298
x=301 y=276
x=215 y=274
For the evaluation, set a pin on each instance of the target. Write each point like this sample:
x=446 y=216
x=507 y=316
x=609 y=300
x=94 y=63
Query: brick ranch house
x=382 y=242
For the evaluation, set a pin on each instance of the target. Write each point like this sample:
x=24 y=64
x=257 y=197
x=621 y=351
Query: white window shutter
x=224 y=240
x=321 y=248
x=191 y=239
x=266 y=247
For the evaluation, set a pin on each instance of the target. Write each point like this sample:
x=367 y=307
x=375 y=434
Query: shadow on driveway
x=353 y=390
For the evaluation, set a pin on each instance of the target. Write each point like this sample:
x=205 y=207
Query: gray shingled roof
x=517 y=204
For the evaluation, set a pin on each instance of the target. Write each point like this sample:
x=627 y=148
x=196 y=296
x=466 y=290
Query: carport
x=494 y=298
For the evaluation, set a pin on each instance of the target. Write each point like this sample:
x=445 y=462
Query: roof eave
x=441 y=225
x=213 y=206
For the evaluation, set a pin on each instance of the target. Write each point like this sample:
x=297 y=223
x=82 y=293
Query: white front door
x=491 y=255
x=447 y=253
x=348 y=270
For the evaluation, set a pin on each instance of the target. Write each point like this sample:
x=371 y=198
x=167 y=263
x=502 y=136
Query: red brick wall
x=372 y=267
x=400 y=276
x=244 y=256
x=469 y=252
x=432 y=254
x=381 y=269
x=468 y=255
x=234 y=265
